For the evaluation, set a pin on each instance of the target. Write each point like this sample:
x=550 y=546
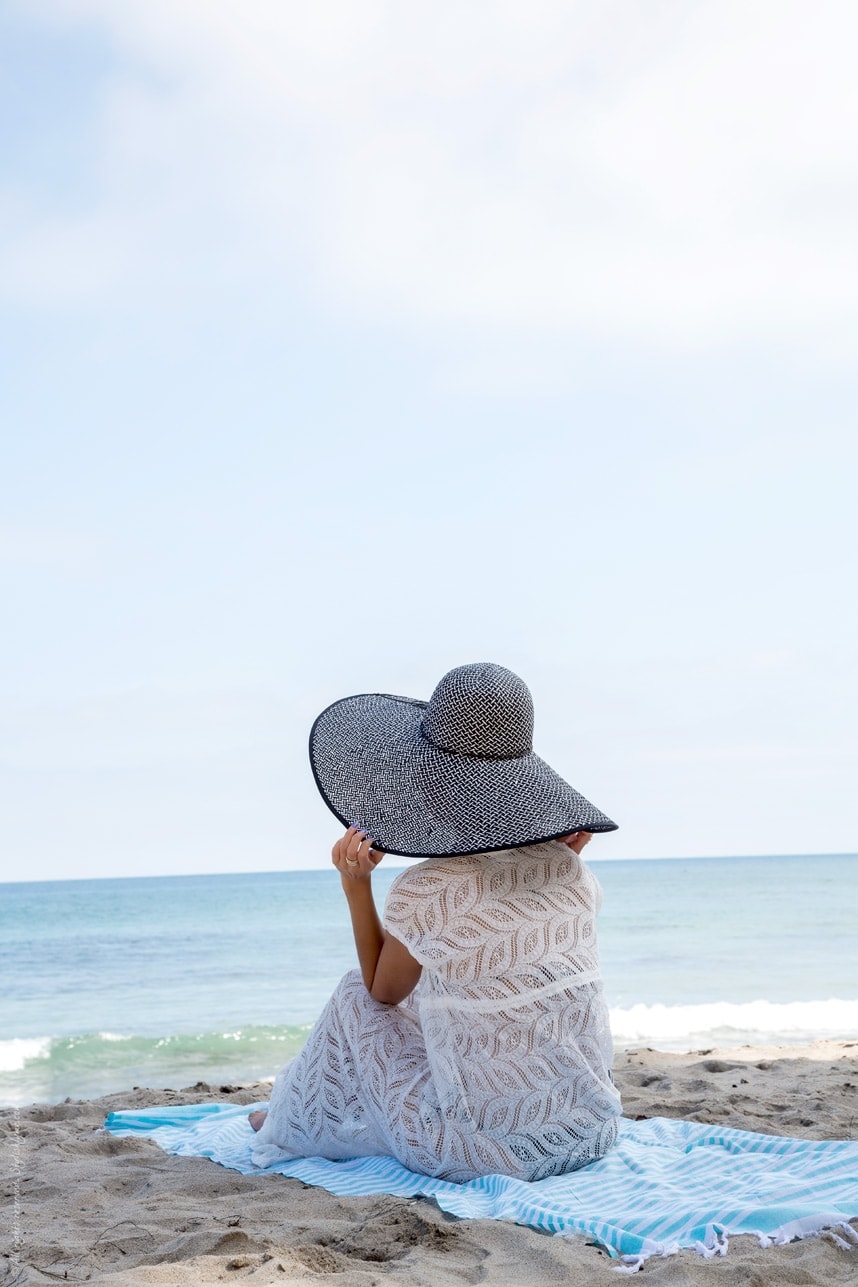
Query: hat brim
x=375 y=768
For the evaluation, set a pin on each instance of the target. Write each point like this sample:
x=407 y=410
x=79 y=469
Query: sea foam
x=684 y=1027
x=98 y=1063
x=15 y=1052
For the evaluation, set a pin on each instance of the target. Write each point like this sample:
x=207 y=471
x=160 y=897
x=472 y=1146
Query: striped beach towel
x=665 y=1185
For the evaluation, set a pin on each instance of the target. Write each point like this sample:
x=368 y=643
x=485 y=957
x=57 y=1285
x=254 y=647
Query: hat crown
x=481 y=710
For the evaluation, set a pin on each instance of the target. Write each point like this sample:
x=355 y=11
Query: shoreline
x=80 y=1205
x=787 y=1046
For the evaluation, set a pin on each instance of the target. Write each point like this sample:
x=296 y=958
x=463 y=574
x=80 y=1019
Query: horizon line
x=300 y=871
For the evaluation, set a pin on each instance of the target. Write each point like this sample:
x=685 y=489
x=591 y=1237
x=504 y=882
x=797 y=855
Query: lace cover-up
x=500 y=1059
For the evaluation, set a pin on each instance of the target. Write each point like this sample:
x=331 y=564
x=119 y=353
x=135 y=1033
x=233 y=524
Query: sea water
x=106 y=984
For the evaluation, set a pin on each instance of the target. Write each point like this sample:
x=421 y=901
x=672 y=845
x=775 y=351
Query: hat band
x=473 y=755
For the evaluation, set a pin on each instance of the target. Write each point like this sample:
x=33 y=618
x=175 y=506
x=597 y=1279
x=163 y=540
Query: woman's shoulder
x=531 y=866
x=429 y=878
x=418 y=902
x=446 y=907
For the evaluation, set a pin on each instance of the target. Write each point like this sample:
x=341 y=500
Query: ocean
x=165 y=981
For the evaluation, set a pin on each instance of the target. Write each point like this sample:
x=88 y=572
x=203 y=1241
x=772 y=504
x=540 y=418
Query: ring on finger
x=352 y=862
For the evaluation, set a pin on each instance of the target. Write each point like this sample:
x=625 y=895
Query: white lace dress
x=499 y=1061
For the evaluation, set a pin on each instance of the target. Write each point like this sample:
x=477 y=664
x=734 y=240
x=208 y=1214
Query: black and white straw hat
x=454 y=775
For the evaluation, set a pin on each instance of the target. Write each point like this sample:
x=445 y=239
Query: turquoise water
x=165 y=981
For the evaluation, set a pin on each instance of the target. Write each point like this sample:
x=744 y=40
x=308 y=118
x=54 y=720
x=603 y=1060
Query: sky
x=344 y=343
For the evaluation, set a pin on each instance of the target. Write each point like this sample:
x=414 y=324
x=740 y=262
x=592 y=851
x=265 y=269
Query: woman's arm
x=389 y=970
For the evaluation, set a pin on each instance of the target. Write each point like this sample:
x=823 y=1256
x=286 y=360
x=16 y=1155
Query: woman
x=474 y=1039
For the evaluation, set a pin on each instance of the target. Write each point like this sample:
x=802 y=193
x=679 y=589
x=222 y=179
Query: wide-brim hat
x=454 y=775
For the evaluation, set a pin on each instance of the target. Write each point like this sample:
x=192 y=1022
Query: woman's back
x=510 y=1000
x=495 y=926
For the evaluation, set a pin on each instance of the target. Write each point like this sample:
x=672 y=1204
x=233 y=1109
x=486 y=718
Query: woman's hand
x=577 y=840
x=388 y=969
x=353 y=855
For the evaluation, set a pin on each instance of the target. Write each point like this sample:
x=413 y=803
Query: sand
x=83 y=1206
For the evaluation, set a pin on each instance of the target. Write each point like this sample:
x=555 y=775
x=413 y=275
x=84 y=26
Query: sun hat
x=454 y=775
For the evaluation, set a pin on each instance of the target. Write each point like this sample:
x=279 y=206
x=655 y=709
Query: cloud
x=143 y=781
x=31 y=548
x=675 y=174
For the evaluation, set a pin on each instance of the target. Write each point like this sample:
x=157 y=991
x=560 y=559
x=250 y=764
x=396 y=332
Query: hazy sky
x=343 y=343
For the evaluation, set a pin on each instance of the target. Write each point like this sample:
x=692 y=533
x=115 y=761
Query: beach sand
x=83 y=1206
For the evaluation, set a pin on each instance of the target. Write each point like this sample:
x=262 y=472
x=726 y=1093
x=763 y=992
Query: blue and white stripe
x=667 y=1184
